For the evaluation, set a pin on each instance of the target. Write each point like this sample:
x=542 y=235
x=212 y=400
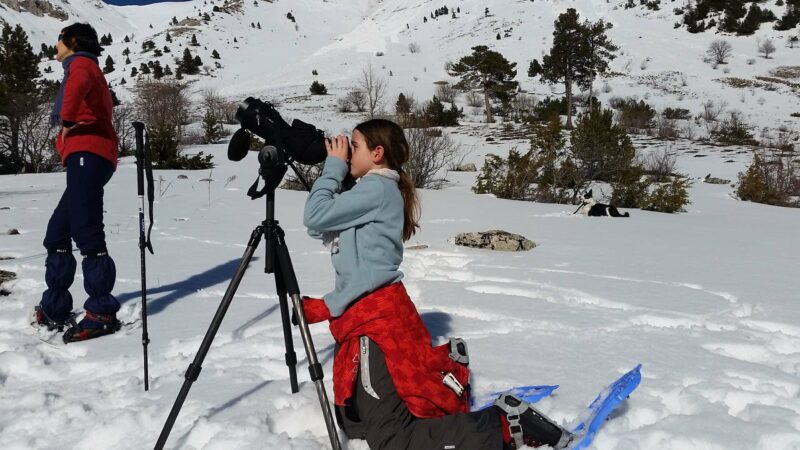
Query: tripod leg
x=194 y=368
x=290 y=355
x=314 y=367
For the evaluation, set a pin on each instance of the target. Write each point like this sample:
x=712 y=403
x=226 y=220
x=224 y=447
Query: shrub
x=631 y=188
x=474 y=99
x=430 y=153
x=770 y=179
x=510 y=178
x=601 y=148
x=734 y=131
x=550 y=109
x=636 y=115
x=669 y=197
x=166 y=155
x=318 y=88
x=660 y=165
x=309 y=173
x=636 y=191
x=666 y=128
x=676 y=113
x=719 y=51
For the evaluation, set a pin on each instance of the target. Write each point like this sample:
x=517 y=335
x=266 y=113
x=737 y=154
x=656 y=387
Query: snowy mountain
x=262 y=50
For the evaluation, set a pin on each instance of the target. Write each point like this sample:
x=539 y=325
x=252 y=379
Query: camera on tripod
x=285 y=144
x=300 y=141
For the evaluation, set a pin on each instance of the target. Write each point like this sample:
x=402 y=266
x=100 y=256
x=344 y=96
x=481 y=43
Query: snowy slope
x=338 y=38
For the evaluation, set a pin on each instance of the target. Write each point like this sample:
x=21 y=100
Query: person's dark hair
x=396 y=150
x=81 y=37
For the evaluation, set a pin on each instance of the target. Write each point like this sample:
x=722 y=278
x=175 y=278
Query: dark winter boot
x=92 y=326
x=55 y=308
x=43 y=320
x=524 y=425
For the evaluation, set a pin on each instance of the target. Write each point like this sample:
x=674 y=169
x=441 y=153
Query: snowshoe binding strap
x=44 y=320
x=539 y=428
x=513 y=406
x=108 y=325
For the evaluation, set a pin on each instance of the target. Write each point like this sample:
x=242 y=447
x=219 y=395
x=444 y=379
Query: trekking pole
x=142 y=164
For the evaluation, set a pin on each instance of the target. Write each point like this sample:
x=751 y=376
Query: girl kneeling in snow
x=390 y=386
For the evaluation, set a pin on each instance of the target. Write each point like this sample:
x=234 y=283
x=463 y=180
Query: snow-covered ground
x=706 y=301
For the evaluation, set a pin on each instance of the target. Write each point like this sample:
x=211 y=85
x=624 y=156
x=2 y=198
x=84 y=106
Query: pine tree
x=212 y=128
x=733 y=12
x=109 y=66
x=791 y=17
x=600 y=52
x=168 y=37
x=215 y=55
x=114 y=100
x=144 y=69
x=126 y=52
x=197 y=62
x=194 y=41
x=318 y=88
x=579 y=54
x=402 y=107
x=751 y=22
x=127 y=60
x=167 y=70
x=187 y=65
x=122 y=81
x=127 y=39
x=134 y=72
x=18 y=92
x=489 y=71
x=158 y=71
x=602 y=148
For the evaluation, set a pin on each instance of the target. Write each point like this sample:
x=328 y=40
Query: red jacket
x=87 y=99
x=388 y=317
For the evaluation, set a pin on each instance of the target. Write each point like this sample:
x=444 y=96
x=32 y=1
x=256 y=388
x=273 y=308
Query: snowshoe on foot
x=525 y=425
x=92 y=326
x=43 y=320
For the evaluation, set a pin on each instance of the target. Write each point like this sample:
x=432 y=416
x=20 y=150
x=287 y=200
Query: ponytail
x=396 y=151
x=411 y=206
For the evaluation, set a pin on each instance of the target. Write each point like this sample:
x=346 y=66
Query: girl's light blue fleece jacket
x=369 y=220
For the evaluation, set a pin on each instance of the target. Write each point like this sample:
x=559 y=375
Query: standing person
x=390 y=386
x=87 y=144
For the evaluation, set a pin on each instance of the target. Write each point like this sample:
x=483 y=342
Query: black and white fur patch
x=591 y=208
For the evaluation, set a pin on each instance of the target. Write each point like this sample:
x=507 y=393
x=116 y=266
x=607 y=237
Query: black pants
x=387 y=424
x=79 y=217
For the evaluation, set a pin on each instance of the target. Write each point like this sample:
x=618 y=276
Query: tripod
x=279 y=263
